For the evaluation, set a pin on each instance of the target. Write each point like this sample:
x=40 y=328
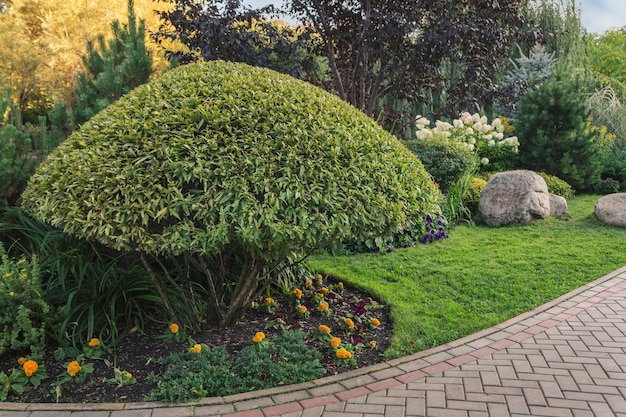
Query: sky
x=597 y=15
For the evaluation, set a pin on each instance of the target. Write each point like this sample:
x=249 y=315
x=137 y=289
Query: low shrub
x=472 y=196
x=445 y=161
x=202 y=371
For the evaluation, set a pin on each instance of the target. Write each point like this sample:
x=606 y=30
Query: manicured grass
x=480 y=276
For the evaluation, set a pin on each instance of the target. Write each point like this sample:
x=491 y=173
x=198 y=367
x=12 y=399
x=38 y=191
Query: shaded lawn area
x=480 y=276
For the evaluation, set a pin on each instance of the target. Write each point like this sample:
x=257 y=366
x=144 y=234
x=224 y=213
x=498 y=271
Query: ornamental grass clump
x=228 y=169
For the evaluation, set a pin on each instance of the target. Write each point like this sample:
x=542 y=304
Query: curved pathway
x=565 y=358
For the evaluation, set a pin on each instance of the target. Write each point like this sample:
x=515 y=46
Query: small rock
x=558 y=205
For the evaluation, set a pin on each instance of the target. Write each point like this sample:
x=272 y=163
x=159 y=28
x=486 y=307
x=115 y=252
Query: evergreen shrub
x=557 y=186
x=233 y=168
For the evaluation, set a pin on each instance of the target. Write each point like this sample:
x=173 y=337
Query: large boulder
x=558 y=205
x=514 y=197
x=611 y=209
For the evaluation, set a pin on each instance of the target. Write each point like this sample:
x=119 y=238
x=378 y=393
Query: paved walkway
x=565 y=358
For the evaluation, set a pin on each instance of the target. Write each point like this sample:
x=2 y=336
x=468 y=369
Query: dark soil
x=137 y=352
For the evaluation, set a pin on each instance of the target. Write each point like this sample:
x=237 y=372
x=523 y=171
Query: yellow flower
x=73 y=368
x=340 y=284
x=324 y=329
x=174 y=328
x=349 y=323
x=343 y=354
x=258 y=337
x=308 y=283
x=297 y=292
x=302 y=310
x=373 y=344
x=269 y=301
x=322 y=307
x=21 y=360
x=11 y=293
x=323 y=290
x=94 y=342
x=335 y=342
x=7 y=275
x=253 y=305
x=375 y=322
x=320 y=277
x=30 y=367
x=128 y=374
x=195 y=348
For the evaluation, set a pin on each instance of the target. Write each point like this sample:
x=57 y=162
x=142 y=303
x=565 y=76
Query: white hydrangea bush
x=474 y=132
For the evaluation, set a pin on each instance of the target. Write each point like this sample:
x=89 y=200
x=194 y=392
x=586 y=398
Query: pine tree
x=113 y=68
x=556 y=136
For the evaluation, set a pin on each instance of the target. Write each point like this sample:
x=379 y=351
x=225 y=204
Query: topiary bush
x=231 y=168
x=446 y=162
x=557 y=186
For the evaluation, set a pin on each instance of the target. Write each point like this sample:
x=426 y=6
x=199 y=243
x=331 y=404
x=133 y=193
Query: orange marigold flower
x=375 y=322
x=297 y=292
x=335 y=342
x=30 y=367
x=324 y=329
x=349 y=323
x=73 y=368
x=258 y=337
x=94 y=342
x=302 y=310
x=269 y=300
x=323 y=290
x=308 y=283
x=322 y=307
x=343 y=354
x=340 y=284
x=197 y=348
x=21 y=360
x=174 y=328
x=128 y=374
x=320 y=277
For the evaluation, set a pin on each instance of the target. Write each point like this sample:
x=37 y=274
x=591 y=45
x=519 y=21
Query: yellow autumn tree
x=42 y=42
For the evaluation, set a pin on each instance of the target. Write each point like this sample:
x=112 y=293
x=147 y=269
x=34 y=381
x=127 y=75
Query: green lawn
x=481 y=276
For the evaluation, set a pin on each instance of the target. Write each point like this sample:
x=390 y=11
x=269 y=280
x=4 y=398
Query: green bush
x=22 y=308
x=232 y=168
x=555 y=134
x=557 y=186
x=472 y=196
x=213 y=372
x=445 y=162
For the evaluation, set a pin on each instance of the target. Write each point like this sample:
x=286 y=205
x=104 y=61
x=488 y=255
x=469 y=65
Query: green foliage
x=472 y=195
x=94 y=291
x=446 y=162
x=607 y=54
x=213 y=372
x=557 y=186
x=454 y=206
x=23 y=310
x=231 y=167
x=113 y=68
x=556 y=136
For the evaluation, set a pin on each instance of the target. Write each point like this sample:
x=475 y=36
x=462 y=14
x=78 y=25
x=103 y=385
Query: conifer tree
x=555 y=134
x=113 y=68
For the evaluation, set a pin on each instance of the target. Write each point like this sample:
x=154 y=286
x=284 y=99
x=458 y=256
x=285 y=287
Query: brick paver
x=566 y=358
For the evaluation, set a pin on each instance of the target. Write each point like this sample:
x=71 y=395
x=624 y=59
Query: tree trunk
x=246 y=285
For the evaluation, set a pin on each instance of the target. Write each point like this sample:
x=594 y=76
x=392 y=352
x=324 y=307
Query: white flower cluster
x=467 y=130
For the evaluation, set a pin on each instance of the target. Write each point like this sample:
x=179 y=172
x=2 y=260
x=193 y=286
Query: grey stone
x=611 y=209
x=558 y=205
x=514 y=197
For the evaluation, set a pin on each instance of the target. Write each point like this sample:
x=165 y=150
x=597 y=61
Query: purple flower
x=359 y=309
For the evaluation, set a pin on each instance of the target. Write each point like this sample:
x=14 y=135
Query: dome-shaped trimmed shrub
x=221 y=158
